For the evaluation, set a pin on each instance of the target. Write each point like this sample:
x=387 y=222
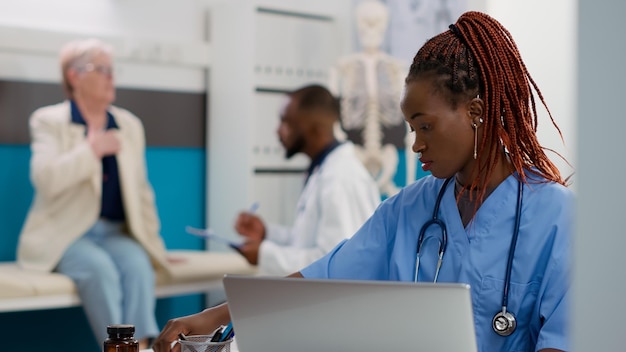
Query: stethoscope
x=503 y=322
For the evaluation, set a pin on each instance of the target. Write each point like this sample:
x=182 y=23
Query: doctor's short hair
x=78 y=53
x=316 y=97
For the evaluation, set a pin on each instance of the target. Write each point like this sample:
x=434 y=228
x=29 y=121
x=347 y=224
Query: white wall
x=164 y=19
x=158 y=44
x=545 y=33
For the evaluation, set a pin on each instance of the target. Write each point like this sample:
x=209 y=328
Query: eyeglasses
x=103 y=69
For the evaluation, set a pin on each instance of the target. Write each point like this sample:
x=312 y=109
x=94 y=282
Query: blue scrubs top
x=385 y=249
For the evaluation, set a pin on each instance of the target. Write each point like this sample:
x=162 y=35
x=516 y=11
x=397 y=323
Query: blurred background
x=206 y=78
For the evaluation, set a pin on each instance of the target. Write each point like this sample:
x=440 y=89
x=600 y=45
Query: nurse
x=468 y=99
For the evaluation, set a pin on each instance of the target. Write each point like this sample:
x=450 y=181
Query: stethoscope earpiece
x=504 y=323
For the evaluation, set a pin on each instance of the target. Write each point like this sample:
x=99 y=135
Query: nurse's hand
x=250 y=226
x=250 y=251
x=203 y=323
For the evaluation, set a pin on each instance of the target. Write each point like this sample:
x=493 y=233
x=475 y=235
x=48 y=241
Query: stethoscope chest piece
x=504 y=323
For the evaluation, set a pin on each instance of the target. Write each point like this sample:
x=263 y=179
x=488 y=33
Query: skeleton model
x=369 y=84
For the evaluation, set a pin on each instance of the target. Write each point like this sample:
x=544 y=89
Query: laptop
x=271 y=314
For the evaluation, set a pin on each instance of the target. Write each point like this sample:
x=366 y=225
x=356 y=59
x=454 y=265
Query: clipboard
x=209 y=234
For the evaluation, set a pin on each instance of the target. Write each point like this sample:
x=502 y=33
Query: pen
x=217 y=336
x=253 y=207
x=227 y=332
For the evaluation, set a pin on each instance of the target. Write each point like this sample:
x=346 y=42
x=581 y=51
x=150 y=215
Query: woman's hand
x=203 y=323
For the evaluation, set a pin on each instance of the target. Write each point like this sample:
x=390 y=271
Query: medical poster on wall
x=387 y=34
x=413 y=22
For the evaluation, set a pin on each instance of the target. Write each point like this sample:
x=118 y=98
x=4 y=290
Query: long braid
x=478 y=56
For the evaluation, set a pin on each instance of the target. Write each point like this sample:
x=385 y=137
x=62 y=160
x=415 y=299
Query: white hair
x=76 y=54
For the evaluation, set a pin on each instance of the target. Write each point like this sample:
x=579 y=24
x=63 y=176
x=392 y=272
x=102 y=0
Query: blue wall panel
x=178 y=178
x=400 y=176
x=15 y=196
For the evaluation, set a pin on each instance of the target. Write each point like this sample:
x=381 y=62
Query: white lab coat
x=336 y=200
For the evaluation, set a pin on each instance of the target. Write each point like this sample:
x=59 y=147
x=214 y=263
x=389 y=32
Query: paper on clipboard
x=209 y=234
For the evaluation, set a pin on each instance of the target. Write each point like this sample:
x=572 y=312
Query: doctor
x=338 y=195
x=495 y=213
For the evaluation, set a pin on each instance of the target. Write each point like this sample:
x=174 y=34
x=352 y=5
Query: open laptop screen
x=286 y=314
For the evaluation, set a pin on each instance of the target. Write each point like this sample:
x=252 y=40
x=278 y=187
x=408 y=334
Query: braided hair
x=478 y=57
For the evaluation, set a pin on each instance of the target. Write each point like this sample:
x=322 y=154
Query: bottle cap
x=120 y=330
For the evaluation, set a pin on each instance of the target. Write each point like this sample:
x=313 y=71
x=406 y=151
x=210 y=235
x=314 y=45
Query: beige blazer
x=67 y=177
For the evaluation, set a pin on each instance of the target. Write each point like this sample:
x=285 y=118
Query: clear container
x=202 y=343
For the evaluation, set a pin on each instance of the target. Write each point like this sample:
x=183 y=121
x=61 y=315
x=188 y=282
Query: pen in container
x=217 y=336
x=227 y=332
x=224 y=333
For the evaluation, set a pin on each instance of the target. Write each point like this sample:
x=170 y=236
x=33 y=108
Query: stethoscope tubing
x=509 y=263
x=444 y=243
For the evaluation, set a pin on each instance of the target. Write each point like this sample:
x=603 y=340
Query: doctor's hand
x=250 y=226
x=250 y=251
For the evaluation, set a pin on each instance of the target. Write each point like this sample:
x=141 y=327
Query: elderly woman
x=93 y=217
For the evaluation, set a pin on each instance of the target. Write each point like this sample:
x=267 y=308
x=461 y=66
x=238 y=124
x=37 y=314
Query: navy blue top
x=112 y=206
x=319 y=159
